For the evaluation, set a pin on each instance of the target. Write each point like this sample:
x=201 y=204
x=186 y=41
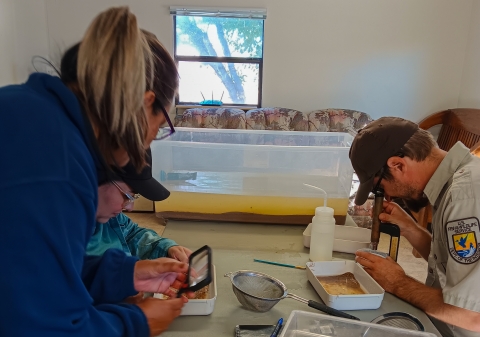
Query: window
x=219 y=55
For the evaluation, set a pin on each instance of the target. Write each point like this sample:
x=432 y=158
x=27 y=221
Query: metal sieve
x=400 y=320
x=260 y=292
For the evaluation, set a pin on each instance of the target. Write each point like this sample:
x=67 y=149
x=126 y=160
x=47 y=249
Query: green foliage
x=241 y=35
x=233 y=37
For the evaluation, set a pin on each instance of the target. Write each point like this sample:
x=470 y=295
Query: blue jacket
x=122 y=233
x=48 y=198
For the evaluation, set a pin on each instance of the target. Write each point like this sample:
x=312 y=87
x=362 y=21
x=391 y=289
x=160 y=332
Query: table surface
x=234 y=246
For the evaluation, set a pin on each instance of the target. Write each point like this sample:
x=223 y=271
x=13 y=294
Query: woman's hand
x=160 y=313
x=159 y=275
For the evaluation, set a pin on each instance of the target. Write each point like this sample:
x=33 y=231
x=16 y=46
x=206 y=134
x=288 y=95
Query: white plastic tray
x=371 y=300
x=347 y=239
x=200 y=307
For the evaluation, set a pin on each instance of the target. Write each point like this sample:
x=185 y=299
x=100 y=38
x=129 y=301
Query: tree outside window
x=219 y=58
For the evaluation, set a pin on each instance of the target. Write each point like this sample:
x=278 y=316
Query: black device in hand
x=199 y=272
x=254 y=330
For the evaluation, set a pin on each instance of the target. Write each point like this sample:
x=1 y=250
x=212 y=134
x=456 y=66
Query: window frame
x=221 y=59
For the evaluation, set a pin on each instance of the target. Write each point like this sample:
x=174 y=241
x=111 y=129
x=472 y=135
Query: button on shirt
x=453 y=264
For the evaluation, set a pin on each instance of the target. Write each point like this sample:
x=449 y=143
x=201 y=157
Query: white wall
x=23 y=33
x=7 y=42
x=470 y=89
x=396 y=57
x=31 y=36
x=401 y=58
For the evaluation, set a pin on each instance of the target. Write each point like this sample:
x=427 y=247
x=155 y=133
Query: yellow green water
x=212 y=203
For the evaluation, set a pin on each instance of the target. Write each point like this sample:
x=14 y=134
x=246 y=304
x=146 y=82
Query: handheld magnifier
x=199 y=272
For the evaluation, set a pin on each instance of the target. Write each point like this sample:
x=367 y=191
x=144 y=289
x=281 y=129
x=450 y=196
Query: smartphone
x=256 y=330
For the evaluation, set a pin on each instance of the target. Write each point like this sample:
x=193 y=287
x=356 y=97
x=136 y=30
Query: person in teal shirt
x=116 y=230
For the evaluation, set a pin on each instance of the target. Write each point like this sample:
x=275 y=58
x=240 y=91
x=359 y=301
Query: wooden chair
x=457 y=125
x=475 y=149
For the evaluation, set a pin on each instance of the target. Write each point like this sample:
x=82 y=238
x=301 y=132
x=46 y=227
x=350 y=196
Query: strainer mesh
x=400 y=322
x=247 y=285
x=258 y=286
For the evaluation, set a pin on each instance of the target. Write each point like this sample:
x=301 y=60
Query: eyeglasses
x=377 y=187
x=130 y=198
x=381 y=174
x=165 y=132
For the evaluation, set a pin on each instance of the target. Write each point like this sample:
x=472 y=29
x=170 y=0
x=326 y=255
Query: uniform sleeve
x=461 y=235
x=144 y=243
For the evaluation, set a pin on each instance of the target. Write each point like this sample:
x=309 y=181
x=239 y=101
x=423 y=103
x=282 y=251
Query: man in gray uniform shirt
x=404 y=161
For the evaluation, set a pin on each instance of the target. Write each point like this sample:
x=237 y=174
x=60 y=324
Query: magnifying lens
x=199 y=272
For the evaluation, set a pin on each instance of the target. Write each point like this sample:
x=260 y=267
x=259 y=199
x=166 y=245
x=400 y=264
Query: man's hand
x=179 y=253
x=159 y=275
x=160 y=313
x=394 y=214
x=393 y=279
x=418 y=237
x=385 y=271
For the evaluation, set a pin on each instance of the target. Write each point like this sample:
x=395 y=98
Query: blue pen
x=277 y=328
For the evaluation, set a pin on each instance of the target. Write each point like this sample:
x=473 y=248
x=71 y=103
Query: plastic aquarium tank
x=253 y=171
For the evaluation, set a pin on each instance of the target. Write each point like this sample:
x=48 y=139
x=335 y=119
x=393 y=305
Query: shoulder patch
x=463 y=237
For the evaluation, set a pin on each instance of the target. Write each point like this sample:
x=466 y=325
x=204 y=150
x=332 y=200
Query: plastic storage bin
x=252 y=175
x=303 y=324
x=372 y=299
x=347 y=239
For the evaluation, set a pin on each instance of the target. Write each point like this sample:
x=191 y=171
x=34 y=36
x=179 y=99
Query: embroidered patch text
x=463 y=240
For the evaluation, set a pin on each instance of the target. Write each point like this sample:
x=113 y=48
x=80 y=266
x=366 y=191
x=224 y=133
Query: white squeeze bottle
x=323 y=231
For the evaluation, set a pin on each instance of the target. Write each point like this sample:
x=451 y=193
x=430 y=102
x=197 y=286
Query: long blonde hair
x=165 y=73
x=111 y=76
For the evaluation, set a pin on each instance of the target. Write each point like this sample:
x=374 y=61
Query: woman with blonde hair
x=59 y=137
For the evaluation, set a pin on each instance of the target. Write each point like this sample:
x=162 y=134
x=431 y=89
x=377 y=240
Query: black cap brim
x=363 y=191
x=143 y=182
x=148 y=188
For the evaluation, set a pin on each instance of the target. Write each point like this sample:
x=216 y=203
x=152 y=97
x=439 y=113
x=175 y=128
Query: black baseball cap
x=143 y=182
x=373 y=145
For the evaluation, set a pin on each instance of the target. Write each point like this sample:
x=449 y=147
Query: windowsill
x=181 y=108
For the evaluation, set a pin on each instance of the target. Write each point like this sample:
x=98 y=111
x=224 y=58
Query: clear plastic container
x=303 y=324
x=252 y=175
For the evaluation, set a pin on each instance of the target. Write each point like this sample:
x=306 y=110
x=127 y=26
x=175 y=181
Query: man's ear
x=396 y=165
x=149 y=99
